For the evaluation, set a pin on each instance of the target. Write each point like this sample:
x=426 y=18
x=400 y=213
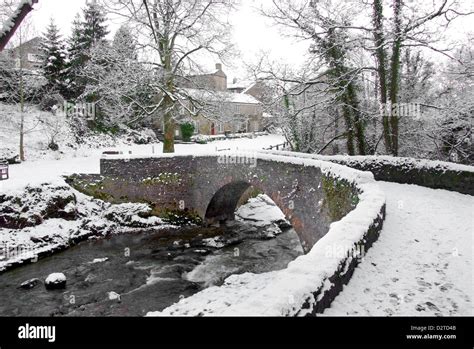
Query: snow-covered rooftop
x=240 y=85
x=220 y=96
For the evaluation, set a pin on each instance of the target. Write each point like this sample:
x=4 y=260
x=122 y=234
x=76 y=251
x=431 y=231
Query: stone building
x=218 y=109
x=27 y=55
x=215 y=81
x=225 y=112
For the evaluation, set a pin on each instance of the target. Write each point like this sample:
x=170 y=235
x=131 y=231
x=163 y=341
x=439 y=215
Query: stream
x=132 y=274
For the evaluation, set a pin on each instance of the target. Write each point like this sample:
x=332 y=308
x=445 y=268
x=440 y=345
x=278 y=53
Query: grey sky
x=252 y=32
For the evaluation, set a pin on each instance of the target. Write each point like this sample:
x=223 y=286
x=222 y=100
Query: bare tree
x=341 y=33
x=21 y=85
x=176 y=32
x=327 y=26
x=409 y=27
x=10 y=26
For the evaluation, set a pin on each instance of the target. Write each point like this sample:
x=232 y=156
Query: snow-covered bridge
x=336 y=211
x=312 y=194
x=422 y=263
x=308 y=190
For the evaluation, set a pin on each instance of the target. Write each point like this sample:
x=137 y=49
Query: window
x=196 y=127
x=256 y=126
x=34 y=58
x=236 y=108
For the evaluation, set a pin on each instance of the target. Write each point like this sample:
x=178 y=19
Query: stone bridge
x=336 y=211
x=210 y=188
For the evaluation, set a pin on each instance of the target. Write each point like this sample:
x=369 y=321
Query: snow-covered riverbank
x=37 y=187
x=44 y=219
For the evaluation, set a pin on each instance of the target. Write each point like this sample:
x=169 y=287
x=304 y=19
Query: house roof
x=221 y=96
x=239 y=85
x=217 y=72
x=249 y=87
x=36 y=41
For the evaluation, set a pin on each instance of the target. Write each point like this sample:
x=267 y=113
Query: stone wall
x=210 y=188
x=431 y=174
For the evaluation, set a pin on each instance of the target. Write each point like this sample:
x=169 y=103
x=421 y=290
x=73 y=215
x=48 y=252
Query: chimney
x=219 y=66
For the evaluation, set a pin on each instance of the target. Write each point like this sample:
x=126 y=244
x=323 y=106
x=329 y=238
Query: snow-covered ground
x=422 y=263
x=50 y=171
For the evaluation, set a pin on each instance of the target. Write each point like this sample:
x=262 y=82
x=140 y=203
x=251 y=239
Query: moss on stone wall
x=99 y=187
x=177 y=217
x=163 y=178
x=250 y=193
x=90 y=185
x=339 y=199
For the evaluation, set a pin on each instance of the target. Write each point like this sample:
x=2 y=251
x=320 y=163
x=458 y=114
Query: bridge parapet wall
x=427 y=173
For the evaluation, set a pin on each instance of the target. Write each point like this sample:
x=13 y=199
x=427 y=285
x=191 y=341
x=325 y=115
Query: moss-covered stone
x=340 y=197
x=178 y=217
x=99 y=187
x=250 y=193
x=89 y=185
x=163 y=179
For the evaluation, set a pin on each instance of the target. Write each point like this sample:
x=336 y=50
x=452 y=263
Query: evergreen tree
x=76 y=57
x=125 y=44
x=75 y=42
x=94 y=28
x=54 y=58
x=87 y=32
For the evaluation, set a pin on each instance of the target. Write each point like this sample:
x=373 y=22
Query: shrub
x=48 y=102
x=187 y=131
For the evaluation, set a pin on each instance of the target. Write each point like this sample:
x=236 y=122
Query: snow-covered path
x=422 y=263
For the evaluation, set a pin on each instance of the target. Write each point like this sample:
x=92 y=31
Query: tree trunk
x=358 y=122
x=168 y=103
x=395 y=77
x=168 y=144
x=381 y=58
x=18 y=17
x=346 y=113
x=22 y=148
x=22 y=106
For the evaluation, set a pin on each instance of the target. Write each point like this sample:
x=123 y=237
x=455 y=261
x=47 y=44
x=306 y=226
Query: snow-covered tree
x=367 y=53
x=121 y=85
x=12 y=14
x=54 y=56
x=453 y=133
x=174 y=32
x=21 y=86
x=76 y=57
x=327 y=26
x=94 y=27
x=88 y=30
x=125 y=43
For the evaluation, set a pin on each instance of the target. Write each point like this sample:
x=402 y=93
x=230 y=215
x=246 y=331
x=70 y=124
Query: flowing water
x=150 y=270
